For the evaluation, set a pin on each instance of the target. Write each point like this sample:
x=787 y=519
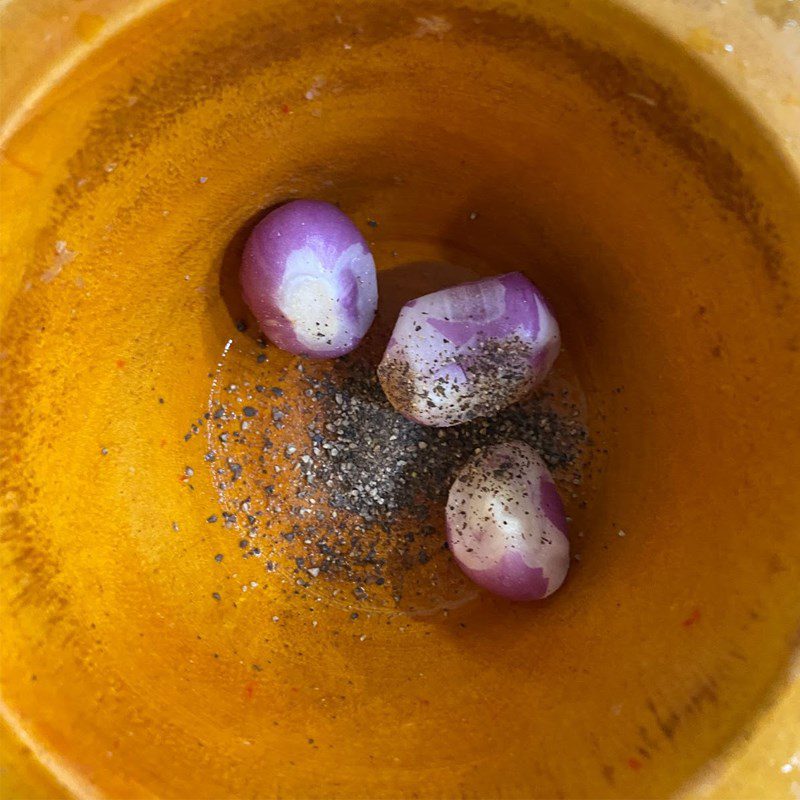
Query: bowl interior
x=569 y=141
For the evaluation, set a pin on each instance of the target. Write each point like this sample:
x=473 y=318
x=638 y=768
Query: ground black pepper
x=335 y=484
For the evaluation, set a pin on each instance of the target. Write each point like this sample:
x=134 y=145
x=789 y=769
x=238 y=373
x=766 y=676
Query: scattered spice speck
x=692 y=618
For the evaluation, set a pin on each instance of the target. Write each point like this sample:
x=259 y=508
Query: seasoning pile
x=375 y=462
x=320 y=477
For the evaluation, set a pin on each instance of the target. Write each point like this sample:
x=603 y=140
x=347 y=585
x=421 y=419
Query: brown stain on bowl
x=604 y=161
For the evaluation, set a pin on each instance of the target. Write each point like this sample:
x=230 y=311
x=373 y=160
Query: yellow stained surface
x=600 y=158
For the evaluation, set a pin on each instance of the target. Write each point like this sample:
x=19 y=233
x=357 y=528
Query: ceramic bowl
x=638 y=162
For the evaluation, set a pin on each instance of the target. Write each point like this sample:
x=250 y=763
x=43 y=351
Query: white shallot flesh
x=506 y=526
x=309 y=278
x=469 y=351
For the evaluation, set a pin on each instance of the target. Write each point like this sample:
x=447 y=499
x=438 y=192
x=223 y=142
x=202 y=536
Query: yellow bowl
x=641 y=166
